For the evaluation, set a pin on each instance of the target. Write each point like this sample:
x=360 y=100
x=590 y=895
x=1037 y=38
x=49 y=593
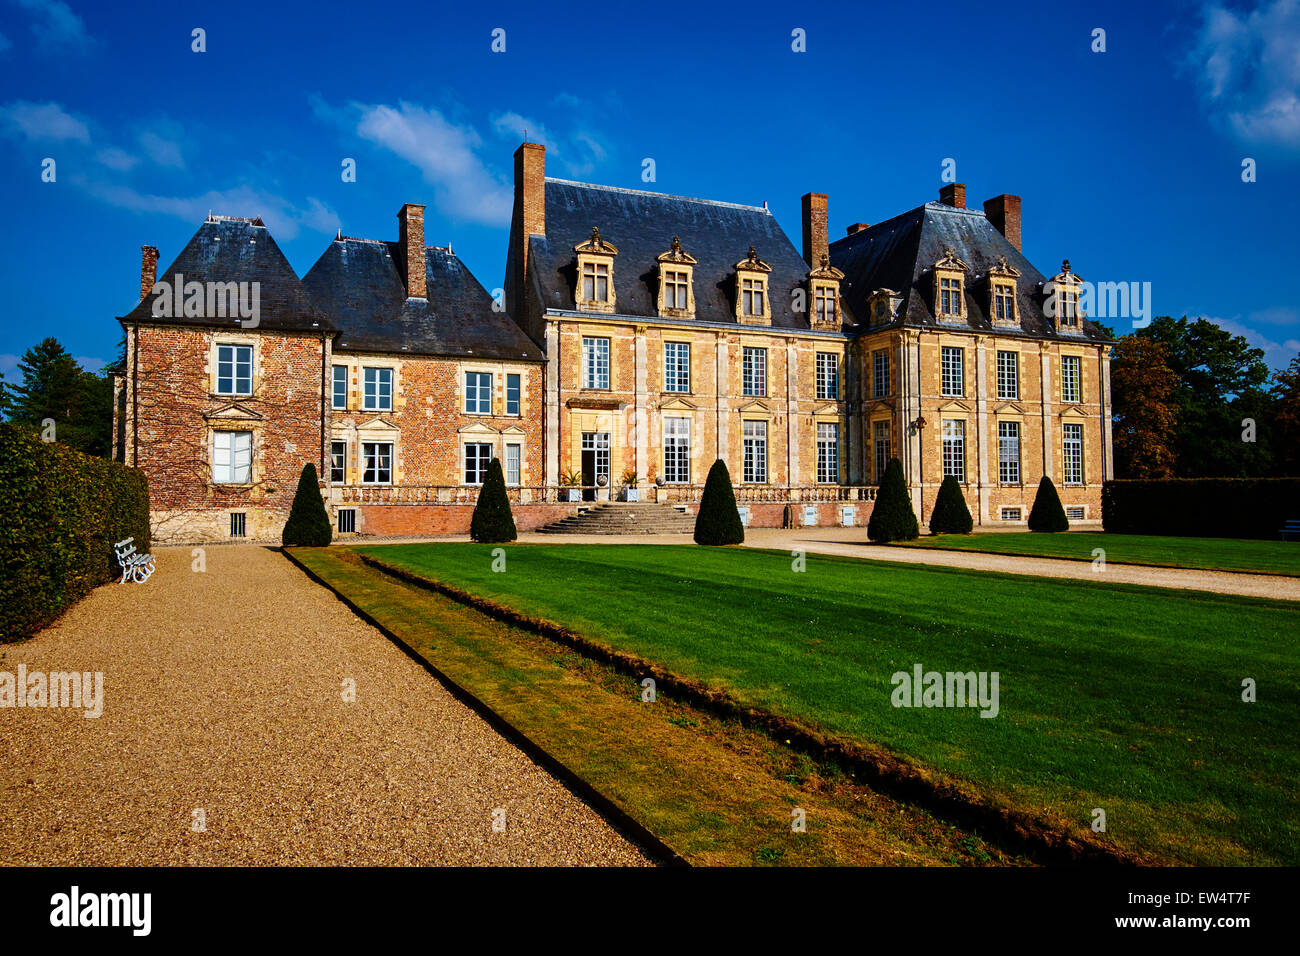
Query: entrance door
x=595 y=463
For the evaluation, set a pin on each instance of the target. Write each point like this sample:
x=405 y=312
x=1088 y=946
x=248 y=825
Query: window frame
x=828 y=376
x=517 y=466
x=1075 y=395
x=592 y=364
x=828 y=453
x=1013 y=375
x=954 y=448
x=675 y=368
x=876 y=447
x=369 y=466
x=879 y=390
x=1078 y=464
x=232 y=464
x=946 y=353
x=1009 y=472
x=477 y=392
x=677 y=437
x=515 y=385
x=335 y=383
x=481 y=464
x=342 y=479
x=236 y=349
x=754 y=467
x=753 y=379
x=379 y=377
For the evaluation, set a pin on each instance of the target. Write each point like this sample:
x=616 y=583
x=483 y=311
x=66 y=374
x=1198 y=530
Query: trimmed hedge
x=66 y=510
x=1047 y=513
x=1200 y=507
x=492 y=522
x=718 y=520
x=892 y=518
x=950 y=515
x=309 y=523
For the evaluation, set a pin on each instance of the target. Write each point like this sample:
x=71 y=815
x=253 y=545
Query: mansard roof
x=233 y=249
x=901 y=254
x=357 y=283
x=641 y=225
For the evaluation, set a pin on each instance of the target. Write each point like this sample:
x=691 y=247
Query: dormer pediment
x=1003 y=270
x=676 y=255
x=595 y=245
x=752 y=263
x=232 y=412
x=950 y=262
x=825 y=271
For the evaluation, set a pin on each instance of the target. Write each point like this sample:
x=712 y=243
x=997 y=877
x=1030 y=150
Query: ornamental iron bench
x=1290 y=528
x=135 y=565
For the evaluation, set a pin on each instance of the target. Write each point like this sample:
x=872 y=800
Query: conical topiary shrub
x=1047 y=513
x=308 y=525
x=492 y=521
x=951 y=516
x=892 y=518
x=718 y=521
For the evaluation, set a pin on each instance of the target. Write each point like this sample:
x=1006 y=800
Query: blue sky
x=1129 y=160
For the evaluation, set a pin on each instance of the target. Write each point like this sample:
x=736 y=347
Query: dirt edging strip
x=619 y=819
x=1156 y=566
x=1015 y=830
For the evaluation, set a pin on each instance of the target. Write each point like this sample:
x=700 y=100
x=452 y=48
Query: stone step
x=624 y=518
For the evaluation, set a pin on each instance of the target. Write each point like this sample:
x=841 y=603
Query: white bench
x=135 y=565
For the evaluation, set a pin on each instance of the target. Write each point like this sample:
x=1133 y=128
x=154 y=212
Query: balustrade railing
x=553 y=494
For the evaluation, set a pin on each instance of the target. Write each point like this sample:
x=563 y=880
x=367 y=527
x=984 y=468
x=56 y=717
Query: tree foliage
x=718 y=520
x=309 y=524
x=1047 y=513
x=493 y=522
x=1144 y=407
x=950 y=515
x=892 y=518
x=52 y=385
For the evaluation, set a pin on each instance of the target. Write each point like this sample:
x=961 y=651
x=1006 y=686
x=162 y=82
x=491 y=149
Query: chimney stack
x=148 y=269
x=1004 y=212
x=530 y=195
x=857 y=227
x=410 y=236
x=953 y=194
x=816 y=238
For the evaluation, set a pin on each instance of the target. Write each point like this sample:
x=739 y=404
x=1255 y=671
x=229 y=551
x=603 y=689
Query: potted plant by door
x=572 y=481
x=630 y=491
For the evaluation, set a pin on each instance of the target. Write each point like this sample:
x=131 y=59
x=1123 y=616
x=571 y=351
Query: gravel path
x=224 y=693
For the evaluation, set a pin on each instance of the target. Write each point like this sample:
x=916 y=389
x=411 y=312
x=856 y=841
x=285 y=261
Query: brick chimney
x=1004 y=212
x=816 y=236
x=857 y=227
x=148 y=269
x=410 y=236
x=953 y=194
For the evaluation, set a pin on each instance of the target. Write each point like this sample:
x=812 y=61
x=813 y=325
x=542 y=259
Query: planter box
x=631 y=494
x=575 y=494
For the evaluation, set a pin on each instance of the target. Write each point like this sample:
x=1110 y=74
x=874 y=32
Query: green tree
x=55 y=387
x=1047 y=513
x=950 y=515
x=492 y=521
x=718 y=520
x=309 y=524
x=892 y=518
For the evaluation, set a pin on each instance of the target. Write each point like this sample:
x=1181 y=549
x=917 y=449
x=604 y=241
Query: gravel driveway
x=224 y=707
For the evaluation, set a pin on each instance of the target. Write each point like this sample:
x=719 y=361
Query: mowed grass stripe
x=1124 y=698
x=1207 y=554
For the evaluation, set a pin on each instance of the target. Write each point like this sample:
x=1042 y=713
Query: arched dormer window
x=1003 y=309
x=676 y=282
x=824 y=288
x=950 y=288
x=595 y=289
x=753 y=305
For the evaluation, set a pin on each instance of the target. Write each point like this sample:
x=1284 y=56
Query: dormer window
x=595 y=291
x=676 y=269
x=882 y=306
x=1062 y=301
x=949 y=287
x=1002 y=289
x=824 y=284
x=753 y=306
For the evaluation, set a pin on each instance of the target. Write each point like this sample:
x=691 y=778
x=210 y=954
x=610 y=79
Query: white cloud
x=55 y=25
x=160 y=149
x=1250 y=65
x=283 y=218
x=1278 y=315
x=9 y=368
x=576 y=153
x=1276 y=354
x=44 y=121
x=118 y=159
x=89 y=363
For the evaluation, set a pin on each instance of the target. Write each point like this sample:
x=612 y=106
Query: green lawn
x=1123 y=698
x=1220 y=554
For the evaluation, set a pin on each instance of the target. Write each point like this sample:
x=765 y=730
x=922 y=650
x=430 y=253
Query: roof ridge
x=646 y=192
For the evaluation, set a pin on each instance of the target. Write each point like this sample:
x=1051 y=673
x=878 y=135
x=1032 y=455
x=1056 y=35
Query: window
x=232 y=457
x=512 y=393
x=880 y=373
x=238 y=524
x=1004 y=297
x=1008 y=375
x=378 y=458
x=828 y=452
x=598 y=444
x=954 y=379
x=338 y=462
x=234 y=370
x=677 y=451
x=478 y=455
x=512 y=463
x=954 y=449
x=675 y=286
x=1072 y=471
x=755 y=464
x=595 y=281
x=828 y=376
x=824 y=302
x=595 y=363
x=478 y=393
x=378 y=389
x=1011 y=514
x=1070 y=378
x=751 y=296
x=340 y=399
x=1009 y=453
x=347 y=520
x=753 y=371
x=950 y=297
x=677 y=367
x=881 y=437
x=1067 y=305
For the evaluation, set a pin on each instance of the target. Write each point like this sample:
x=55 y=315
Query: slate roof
x=231 y=249
x=898 y=254
x=357 y=283
x=641 y=225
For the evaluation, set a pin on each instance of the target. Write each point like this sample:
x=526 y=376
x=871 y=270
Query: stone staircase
x=623 y=518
